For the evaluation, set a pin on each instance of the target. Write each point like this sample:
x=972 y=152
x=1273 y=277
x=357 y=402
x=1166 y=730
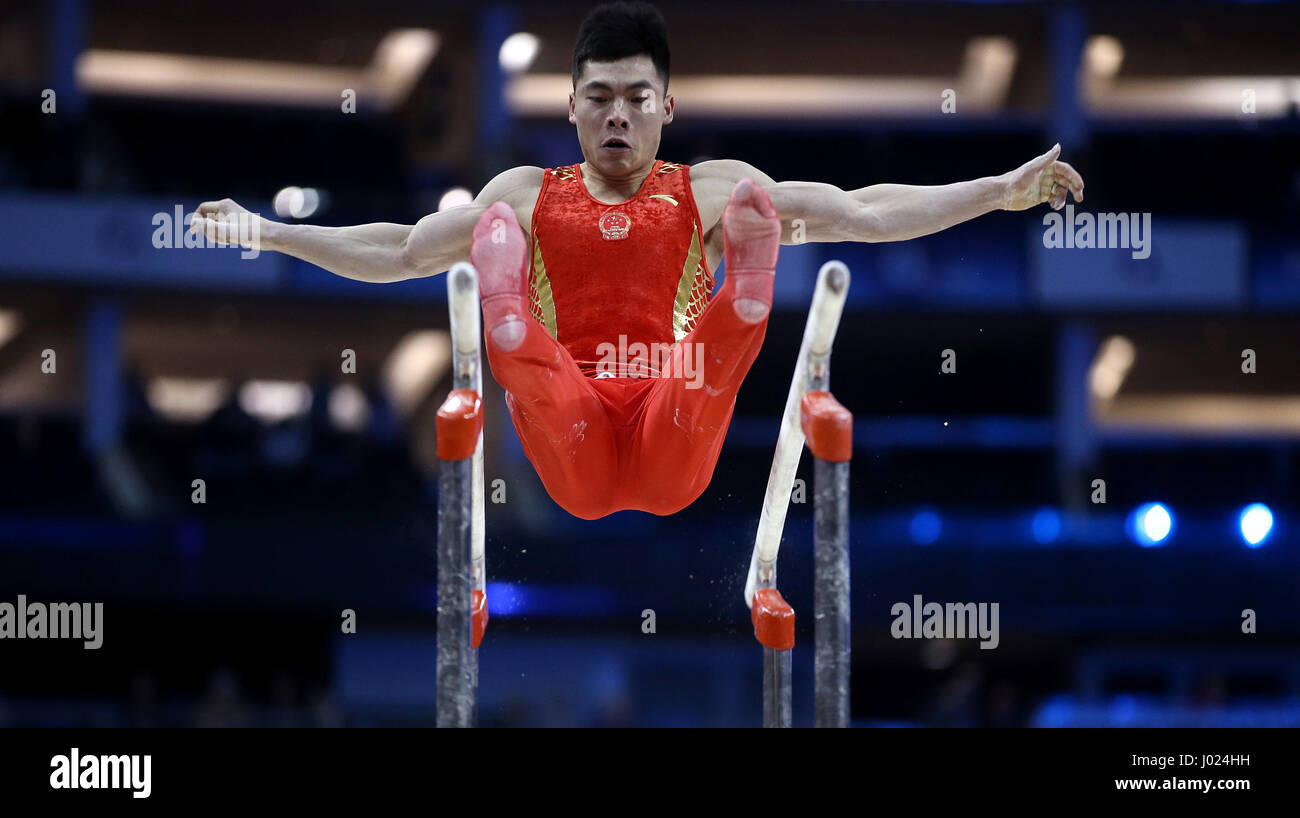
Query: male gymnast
x=620 y=253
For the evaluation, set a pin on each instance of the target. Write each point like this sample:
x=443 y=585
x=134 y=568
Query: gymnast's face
x=620 y=102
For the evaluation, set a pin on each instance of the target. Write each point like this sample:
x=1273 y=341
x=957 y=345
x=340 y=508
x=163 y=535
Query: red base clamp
x=827 y=425
x=479 y=610
x=460 y=419
x=773 y=619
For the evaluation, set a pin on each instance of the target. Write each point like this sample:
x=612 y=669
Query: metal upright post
x=462 y=602
x=829 y=429
x=455 y=667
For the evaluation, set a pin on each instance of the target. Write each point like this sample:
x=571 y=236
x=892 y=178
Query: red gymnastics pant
x=602 y=445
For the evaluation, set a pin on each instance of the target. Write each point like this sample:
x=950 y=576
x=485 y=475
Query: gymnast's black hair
x=621 y=29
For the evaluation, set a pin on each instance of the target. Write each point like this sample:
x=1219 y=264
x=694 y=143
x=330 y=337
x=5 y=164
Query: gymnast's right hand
x=226 y=223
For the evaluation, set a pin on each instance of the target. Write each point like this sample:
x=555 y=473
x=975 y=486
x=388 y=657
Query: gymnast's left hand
x=226 y=223
x=1042 y=179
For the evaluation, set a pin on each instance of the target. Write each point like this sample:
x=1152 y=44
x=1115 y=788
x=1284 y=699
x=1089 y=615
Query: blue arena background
x=1074 y=365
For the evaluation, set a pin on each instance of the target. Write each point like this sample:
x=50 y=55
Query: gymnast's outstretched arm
x=380 y=252
x=818 y=212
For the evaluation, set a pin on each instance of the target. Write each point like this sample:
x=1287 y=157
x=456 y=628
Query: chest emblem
x=614 y=225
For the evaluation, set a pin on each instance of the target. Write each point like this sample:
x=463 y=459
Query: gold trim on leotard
x=539 y=291
x=683 y=313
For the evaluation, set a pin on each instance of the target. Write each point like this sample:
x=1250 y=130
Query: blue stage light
x=926 y=527
x=1256 y=523
x=506 y=598
x=1046 y=526
x=1151 y=524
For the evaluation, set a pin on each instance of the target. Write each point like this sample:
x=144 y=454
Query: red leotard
x=649 y=437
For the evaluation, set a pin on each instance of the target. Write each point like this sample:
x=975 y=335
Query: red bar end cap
x=773 y=619
x=827 y=425
x=460 y=419
x=479 y=610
